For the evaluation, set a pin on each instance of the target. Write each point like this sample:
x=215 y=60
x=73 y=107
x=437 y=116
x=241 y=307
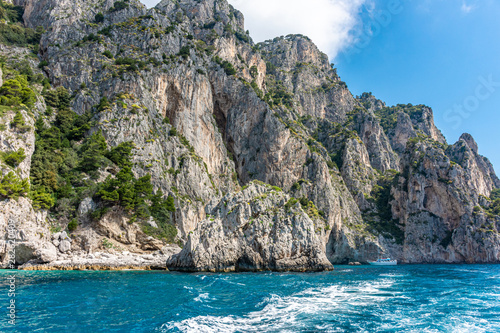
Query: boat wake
x=314 y=308
x=379 y=305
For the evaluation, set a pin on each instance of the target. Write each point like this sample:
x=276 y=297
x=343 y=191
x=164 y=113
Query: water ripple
x=355 y=299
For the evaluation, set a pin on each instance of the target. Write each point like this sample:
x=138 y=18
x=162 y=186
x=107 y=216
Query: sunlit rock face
x=210 y=112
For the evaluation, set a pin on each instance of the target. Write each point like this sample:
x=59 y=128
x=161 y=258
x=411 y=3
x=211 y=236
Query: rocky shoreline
x=102 y=261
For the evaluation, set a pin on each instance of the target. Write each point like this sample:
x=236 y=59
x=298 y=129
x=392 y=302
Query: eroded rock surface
x=208 y=111
x=256 y=229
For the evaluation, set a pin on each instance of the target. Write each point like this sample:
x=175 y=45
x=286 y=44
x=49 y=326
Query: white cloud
x=150 y=3
x=328 y=23
x=467 y=8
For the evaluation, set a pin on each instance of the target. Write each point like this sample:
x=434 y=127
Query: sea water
x=406 y=298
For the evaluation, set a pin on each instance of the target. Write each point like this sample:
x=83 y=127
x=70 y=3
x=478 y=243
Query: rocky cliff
x=128 y=129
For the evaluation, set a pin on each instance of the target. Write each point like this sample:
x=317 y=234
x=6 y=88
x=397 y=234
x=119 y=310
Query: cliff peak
x=370 y=102
x=470 y=141
x=288 y=51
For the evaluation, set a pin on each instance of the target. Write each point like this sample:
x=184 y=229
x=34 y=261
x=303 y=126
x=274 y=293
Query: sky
x=441 y=53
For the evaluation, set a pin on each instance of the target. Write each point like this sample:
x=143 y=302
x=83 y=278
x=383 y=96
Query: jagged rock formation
x=260 y=228
x=209 y=111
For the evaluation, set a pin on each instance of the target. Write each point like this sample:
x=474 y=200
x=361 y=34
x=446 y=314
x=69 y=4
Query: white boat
x=384 y=262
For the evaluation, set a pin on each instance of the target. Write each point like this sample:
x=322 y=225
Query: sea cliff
x=128 y=134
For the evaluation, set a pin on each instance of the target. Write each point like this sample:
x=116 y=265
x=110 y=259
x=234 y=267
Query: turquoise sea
x=406 y=298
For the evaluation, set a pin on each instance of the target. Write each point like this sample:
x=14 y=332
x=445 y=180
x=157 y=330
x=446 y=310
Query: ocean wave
x=202 y=297
x=212 y=279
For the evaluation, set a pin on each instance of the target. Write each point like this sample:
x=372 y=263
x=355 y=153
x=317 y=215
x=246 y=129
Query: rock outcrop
x=111 y=261
x=29 y=237
x=181 y=93
x=260 y=228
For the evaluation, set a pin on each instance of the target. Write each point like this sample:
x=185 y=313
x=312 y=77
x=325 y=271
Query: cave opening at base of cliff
x=245 y=264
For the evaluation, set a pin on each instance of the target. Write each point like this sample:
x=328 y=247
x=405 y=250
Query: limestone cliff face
x=404 y=122
x=31 y=234
x=381 y=153
x=257 y=229
x=303 y=70
x=21 y=227
x=482 y=176
x=209 y=111
x=435 y=200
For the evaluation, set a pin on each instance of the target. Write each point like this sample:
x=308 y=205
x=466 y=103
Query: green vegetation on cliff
x=381 y=196
x=13 y=158
x=494 y=207
x=12 y=29
x=17 y=97
x=12 y=187
x=307 y=206
x=388 y=116
x=68 y=161
x=16 y=92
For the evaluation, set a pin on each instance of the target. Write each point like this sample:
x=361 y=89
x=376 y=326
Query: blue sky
x=442 y=53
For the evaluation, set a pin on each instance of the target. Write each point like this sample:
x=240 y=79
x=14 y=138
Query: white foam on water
x=282 y=314
x=467 y=327
x=218 y=278
x=188 y=288
x=229 y=280
x=344 y=307
x=393 y=275
x=202 y=297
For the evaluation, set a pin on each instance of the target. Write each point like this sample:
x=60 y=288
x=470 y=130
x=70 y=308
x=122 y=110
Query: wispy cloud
x=329 y=23
x=467 y=8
